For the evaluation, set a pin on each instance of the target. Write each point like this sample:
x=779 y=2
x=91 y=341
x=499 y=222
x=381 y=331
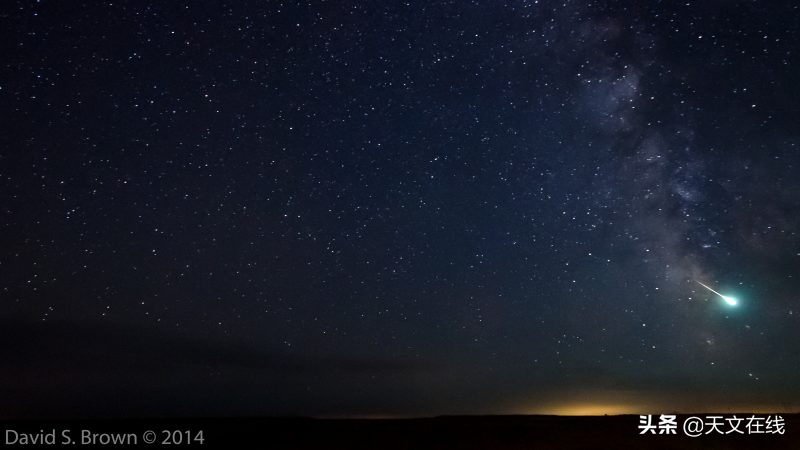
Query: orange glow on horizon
x=601 y=409
x=589 y=409
x=629 y=402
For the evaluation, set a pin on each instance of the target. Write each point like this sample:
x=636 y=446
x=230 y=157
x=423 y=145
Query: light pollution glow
x=628 y=402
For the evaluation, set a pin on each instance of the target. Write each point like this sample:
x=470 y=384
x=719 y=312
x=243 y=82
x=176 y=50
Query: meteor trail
x=729 y=300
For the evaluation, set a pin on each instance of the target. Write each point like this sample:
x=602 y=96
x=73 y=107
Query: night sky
x=399 y=208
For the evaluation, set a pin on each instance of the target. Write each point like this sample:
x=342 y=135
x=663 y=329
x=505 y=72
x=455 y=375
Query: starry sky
x=398 y=208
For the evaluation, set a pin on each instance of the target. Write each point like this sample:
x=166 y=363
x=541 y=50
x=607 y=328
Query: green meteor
x=729 y=300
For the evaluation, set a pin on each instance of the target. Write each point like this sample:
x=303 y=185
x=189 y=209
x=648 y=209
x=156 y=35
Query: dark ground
x=455 y=432
x=505 y=432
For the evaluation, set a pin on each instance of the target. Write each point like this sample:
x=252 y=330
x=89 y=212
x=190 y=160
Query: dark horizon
x=60 y=369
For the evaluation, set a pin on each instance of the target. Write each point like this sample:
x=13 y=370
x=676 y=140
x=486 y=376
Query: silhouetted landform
x=508 y=432
x=447 y=432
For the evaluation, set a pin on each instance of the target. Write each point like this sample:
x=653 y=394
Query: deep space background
x=398 y=208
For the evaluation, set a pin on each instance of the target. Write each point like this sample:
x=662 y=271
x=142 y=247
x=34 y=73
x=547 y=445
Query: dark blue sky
x=398 y=208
